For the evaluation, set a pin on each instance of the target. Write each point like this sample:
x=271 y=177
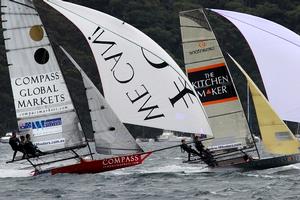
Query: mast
x=248 y=105
x=80 y=119
x=78 y=115
x=248 y=117
x=111 y=136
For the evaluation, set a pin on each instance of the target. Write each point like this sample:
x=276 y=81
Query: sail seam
x=204 y=60
x=231 y=113
x=29 y=47
x=201 y=27
x=22 y=4
x=14 y=28
x=261 y=29
x=6 y=13
x=41 y=115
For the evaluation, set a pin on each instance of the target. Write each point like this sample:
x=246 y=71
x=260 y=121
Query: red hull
x=97 y=166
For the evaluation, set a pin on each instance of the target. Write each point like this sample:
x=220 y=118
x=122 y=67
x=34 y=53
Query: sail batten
x=232 y=113
x=131 y=67
x=10 y=13
x=207 y=70
x=31 y=47
x=21 y=27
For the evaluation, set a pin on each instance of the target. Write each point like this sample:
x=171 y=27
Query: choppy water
x=162 y=176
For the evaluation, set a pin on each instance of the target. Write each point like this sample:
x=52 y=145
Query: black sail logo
x=123 y=71
x=124 y=66
x=212 y=84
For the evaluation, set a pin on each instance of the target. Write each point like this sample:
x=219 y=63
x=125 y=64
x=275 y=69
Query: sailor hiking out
x=188 y=148
x=16 y=145
x=205 y=155
x=30 y=148
x=23 y=145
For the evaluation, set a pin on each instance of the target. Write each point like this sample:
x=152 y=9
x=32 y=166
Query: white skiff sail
x=208 y=72
x=141 y=82
x=276 y=50
x=42 y=101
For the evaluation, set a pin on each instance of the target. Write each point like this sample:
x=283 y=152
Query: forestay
x=141 y=82
x=276 y=50
x=276 y=136
x=111 y=136
x=42 y=102
x=208 y=72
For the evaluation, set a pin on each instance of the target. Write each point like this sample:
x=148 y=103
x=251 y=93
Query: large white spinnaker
x=111 y=136
x=276 y=50
x=42 y=102
x=208 y=72
x=141 y=82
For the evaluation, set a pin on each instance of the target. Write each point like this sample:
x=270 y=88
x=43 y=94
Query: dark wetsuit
x=14 y=143
x=208 y=158
x=200 y=147
x=189 y=150
x=205 y=155
x=16 y=146
x=31 y=149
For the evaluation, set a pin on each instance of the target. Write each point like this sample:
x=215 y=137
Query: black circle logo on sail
x=41 y=56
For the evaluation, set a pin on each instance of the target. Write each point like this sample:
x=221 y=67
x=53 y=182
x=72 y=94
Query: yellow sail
x=276 y=136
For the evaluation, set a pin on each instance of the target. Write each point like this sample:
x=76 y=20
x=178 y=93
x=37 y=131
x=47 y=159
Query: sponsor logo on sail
x=50 y=142
x=40 y=94
x=42 y=127
x=225 y=146
x=203 y=48
x=202 y=44
x=212 y=83
x=123 y=71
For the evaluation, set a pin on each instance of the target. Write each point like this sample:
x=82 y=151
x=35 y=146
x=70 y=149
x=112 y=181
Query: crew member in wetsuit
x=30 y=148
x=205 y=154
x=188 y=149
x=247 y=158
x=199 y=146
x=22 y=145
x=15 y=145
